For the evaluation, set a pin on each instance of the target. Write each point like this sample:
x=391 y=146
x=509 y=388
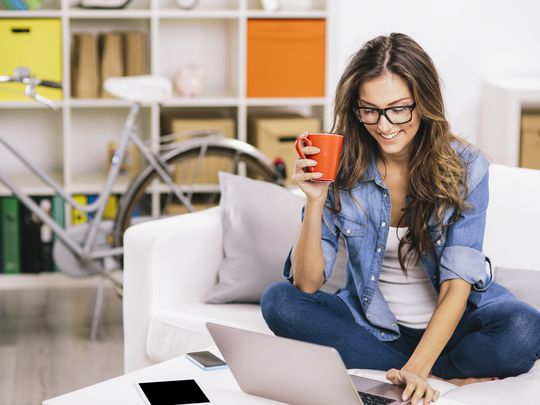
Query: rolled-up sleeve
x=329 y=245
x=462 y=256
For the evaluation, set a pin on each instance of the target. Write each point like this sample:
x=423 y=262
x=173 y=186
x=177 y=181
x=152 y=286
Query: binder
x=58 y=213
x=36 y=239
x=90 y=199
x=77 y=216
x=111 y=208
x=11 y=255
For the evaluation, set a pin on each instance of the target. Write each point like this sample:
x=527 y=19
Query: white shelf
x=273 y=102
x=101 y=103
x=28 y=104
x=503 y=101
x=31 y=184
x=299 y=14
x=93 y=183
x=30 y=14
x=195 y=188
x=203 y=101
x=109 y=14
x=196 y=14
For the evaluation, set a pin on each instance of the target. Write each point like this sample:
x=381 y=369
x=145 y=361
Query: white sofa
x=170 y=264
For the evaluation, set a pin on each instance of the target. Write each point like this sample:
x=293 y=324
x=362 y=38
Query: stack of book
x=20 y=4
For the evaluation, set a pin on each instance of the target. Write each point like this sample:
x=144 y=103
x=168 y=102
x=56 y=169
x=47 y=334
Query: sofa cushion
x=521 y=283
x=174 y=332
x=523 y=389
x=261 y=222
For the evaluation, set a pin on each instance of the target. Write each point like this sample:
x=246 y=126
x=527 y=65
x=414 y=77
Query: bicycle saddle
x=143 y=89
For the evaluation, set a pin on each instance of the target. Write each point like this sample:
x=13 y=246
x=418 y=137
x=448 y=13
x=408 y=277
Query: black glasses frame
x=382 y=111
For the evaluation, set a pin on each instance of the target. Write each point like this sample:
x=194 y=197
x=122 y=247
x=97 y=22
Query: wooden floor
x=45 y=348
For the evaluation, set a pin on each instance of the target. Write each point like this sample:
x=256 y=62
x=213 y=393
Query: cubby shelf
x=213 y=35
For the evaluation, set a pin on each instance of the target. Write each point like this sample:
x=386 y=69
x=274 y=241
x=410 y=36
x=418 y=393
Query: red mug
x=328 y=157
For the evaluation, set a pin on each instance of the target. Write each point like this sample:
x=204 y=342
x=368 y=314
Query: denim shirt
x=365 y=227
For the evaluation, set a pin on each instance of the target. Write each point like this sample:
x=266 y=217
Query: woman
x=410 y=200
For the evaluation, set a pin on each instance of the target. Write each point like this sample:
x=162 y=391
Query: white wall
x=467 y=39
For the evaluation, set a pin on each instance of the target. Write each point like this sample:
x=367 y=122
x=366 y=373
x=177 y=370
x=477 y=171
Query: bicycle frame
x=85 y=250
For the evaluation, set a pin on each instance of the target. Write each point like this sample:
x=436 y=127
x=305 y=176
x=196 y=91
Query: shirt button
x=348 y=231
x=438 y=242
x=383 y=224
x=372 y=278
x=379 y=250
x=382 y=333
x=385 y=195
x=365 y=298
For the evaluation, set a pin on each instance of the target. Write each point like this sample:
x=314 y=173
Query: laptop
x=296 y=372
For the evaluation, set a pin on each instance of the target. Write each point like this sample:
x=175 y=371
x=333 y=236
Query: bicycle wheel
x=194 y=165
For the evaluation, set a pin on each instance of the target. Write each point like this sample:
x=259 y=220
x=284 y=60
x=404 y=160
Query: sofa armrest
x=167 y=262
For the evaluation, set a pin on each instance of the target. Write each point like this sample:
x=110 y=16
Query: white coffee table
x=219 y=385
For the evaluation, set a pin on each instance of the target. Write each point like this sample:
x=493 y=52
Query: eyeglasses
x=395 y=115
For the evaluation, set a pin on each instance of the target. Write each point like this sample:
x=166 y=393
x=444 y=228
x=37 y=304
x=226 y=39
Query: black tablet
x=175 y=392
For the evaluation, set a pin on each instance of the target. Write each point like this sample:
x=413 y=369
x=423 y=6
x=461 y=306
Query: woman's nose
x=384 y=125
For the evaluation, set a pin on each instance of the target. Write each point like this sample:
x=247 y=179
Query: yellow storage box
x=34 y=43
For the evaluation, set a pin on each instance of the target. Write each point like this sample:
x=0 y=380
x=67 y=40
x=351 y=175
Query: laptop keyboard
x=372 y=399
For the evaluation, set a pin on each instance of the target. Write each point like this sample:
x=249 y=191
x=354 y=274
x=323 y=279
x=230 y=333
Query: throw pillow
x=261 y=222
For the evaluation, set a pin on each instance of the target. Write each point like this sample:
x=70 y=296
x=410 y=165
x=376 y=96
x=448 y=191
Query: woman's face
x=389 y=90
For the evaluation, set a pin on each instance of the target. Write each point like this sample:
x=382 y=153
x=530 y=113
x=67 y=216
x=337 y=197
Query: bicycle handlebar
x=51 y=84
x=24 y=76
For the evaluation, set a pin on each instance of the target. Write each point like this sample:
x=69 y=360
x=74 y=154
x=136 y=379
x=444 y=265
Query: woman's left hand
x=416 y=387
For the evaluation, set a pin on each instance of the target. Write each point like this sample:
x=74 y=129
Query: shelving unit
x=503 y=102
x=71 y=143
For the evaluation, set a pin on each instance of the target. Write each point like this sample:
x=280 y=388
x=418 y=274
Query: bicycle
x=96 y=247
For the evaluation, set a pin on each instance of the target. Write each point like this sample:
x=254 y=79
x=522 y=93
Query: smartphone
x=206 y=360
x=177 y=392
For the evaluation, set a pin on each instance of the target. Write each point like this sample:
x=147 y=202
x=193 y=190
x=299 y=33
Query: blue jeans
x=496 y=340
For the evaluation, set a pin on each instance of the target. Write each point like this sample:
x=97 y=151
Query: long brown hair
x=437 y=175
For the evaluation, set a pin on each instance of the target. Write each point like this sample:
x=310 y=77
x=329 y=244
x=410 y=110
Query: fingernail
x=313 y=162
x=317 y=175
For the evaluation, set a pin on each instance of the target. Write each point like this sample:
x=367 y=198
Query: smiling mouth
x=389 y=136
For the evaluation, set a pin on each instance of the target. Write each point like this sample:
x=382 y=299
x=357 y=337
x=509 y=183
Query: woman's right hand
x=313 y=190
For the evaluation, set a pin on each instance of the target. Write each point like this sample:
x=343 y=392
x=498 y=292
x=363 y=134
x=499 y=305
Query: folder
x=77 y=216
x=85 y=63
x=58 y=213
x=112 y=61
x=136 y=53
x=11 y=255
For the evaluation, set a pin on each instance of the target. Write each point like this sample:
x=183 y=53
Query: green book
x=11 y=255
x=58 y=213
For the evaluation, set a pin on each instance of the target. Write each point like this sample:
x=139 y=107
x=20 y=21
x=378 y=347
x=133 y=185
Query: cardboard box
x=530 y=141
x=275 y=137
x=286 y=58
x=205 y=172
x=34 y=43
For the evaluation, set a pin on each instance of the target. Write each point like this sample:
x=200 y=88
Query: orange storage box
x=286 y=58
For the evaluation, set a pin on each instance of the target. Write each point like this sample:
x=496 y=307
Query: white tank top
x=411 y=298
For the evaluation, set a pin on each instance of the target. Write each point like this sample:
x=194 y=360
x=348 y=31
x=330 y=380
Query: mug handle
x=298 y=144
